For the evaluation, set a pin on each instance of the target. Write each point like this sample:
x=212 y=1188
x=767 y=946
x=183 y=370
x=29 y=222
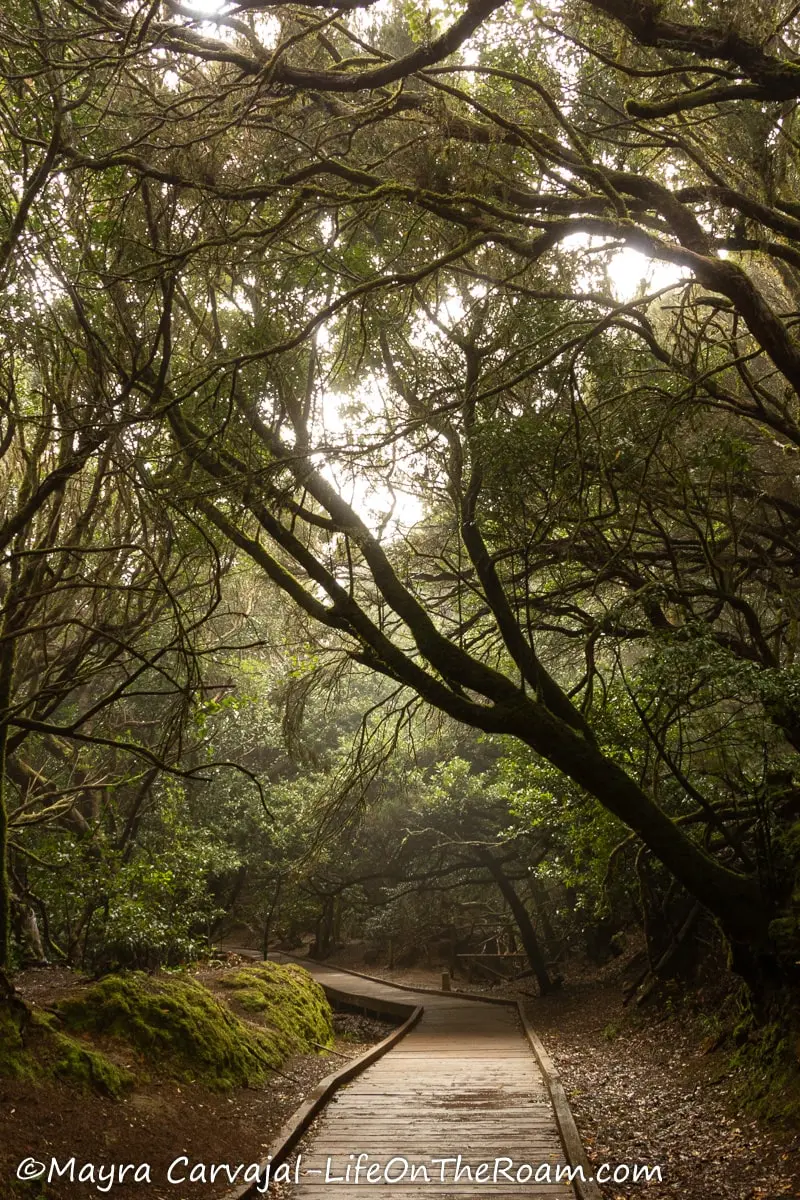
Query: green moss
x=89 y=1069
x=15 y=1060
x=43 y=1053
x=177 y=1027
x=769 y=1065
x=185 y=1031
x=286 y=1000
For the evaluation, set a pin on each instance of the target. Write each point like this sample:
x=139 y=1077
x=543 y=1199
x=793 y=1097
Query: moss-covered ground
x=171 y=1026
x=39 y=1050
x=285 y=1000
x=767 y=1063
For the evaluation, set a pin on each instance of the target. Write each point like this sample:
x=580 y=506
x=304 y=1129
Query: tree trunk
x=735 y=900
x=324 y=930
x=32 y=935
x=6 y=671
x=524 y=924
x=539 y=898
x=273 y=904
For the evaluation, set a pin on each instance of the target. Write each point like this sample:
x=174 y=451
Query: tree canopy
x=473 y=328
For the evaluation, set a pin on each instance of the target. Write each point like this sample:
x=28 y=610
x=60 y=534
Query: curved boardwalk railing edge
x=293 y=1130
x=404 y=987
x=574 y=1149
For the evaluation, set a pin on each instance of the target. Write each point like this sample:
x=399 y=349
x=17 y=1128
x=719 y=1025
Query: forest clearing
x=399 y=581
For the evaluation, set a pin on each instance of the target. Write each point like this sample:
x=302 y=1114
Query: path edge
x=574 y=1149
x=292 y=1131
x=404 y=987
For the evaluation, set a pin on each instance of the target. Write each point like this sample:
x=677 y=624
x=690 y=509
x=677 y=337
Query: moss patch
x=15 y=1061
x=89 y=1069
x=286 y=1001
x=181 y=1029
x=42 y=1052
x=175 y=1026
x=769 y=1060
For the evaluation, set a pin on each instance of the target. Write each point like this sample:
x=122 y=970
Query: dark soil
x=158 y=1121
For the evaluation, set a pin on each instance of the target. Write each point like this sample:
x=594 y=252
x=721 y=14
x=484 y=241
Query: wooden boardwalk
x=463 y=1082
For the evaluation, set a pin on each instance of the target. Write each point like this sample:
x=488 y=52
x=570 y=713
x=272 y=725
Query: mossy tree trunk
x=6 y=674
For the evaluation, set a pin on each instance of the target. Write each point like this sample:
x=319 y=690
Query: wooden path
x=463 y=1082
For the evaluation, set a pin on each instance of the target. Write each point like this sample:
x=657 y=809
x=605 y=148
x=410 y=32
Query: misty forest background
x=400 y=501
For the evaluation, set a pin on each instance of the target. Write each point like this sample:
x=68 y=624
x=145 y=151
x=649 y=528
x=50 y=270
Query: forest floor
x=158 y=1121
x=645 y=1090
x=643 y=1087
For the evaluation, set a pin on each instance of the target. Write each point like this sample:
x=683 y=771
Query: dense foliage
x=469 y=332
